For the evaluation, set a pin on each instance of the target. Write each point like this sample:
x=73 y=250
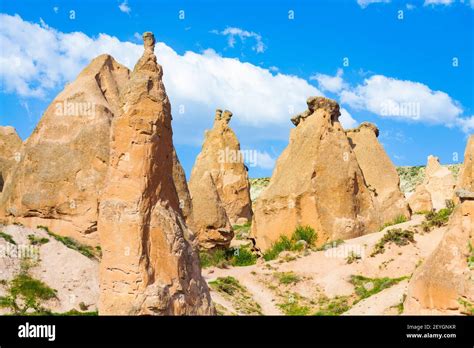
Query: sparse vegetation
x=366 y=287
x=37 y=240
x=330 y=245
x=470 y=258
x=85 y=250
x=8 y=238
x=439 y=218
x=398 y=220
x=334 y=306
x=293 y=307
x=24 y=293
x=398 y=236
x=400 y=306
x=352 y=257
x=222 y=258
x=467 y=307
x=242 y=231
x=284 y=243
x=238 y=295
x=287 y=277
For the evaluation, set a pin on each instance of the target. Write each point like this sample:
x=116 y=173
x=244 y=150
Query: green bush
x=305 y=233
x=335 y=306
x=229 y=285
x=241 y=256
x=37 y=240
x=366 y=287
x=85 y=250
x=8 y=238
x=398 y=236
x=287 y=277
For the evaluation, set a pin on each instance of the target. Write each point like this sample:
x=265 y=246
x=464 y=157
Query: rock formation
x=63 y=163
x=435 y=190
x=317 y=181
x=379 y=172
x=445 y=281
x=10 y=144
x=148 y=266
x=219 y=185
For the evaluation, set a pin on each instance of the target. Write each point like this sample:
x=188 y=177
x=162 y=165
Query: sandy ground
x=327 y=273
x=74 y=276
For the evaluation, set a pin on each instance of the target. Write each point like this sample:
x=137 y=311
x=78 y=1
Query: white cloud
x=389 y=97
x=346 y=119
x=124 y=7
x=438 y=2
x=232 y=33
x=56 y=9
x=410 y=7
x=365 y=3
x=265 y=160
x=467 y=124
x=329 y=83
x=36 y=59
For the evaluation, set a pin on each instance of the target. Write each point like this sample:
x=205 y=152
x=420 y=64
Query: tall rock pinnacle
x=148 y=265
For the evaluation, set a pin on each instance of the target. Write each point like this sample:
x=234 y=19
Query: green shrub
x=37 y=240
x=85 y=250
x=470 y=258
x=24 y=293
x=287 y=277
x=352 y=257
x=366 y=287
x=228 y=285
x=243 y=257
x=8 y=238
x=222 y=258
x=335 y=306
x=241 y=231
x=292 y=307
x=284 y=243
x=398 y=236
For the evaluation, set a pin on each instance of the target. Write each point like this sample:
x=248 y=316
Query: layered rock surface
x=379 y=172
x=219 y=185
x=317 y=181
x=445 y=281
x=10 y=144
x=436 y=188
x=148 y=266
x=62 y=165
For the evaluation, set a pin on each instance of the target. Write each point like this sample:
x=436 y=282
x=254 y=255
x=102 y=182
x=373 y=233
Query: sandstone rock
x=379 y=172
x=63 y=163
x=318 y=182
x=179 y=178
x=10 y=144
x=465 y=183
x=148 y=266
x=439 y=184
x=444 y=281
x=219 y=185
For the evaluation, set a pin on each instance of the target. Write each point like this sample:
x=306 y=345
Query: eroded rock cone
x=317 y=182
x=444 y=282
x=220 y=175
x=10 y=145
x=438 y=185
x=62 y=165
x=148 y=266
x=379 y=172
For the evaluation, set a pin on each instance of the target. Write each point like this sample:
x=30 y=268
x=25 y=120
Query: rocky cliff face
x=379 y=172
x=444 y=281
x=148 y=266
x=317 y=181
x=219 y=185
x=436 y=188
x=10 y=144
x=63 y=163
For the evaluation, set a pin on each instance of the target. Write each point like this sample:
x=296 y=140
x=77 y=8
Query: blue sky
x=260 y=59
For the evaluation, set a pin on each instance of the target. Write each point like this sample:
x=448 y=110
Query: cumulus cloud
x=407 y=100
x=365 y=3
x=232 y=33
x=36 y=59
x=330 y=83
x=124 y=7
x=265 y=160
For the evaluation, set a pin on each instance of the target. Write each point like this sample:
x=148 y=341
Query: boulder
x=63 y=163
x=317 y=182
x=438 y=184
x=379 y=172
x=148 y=267
x=444 y=282
x=10 y=145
